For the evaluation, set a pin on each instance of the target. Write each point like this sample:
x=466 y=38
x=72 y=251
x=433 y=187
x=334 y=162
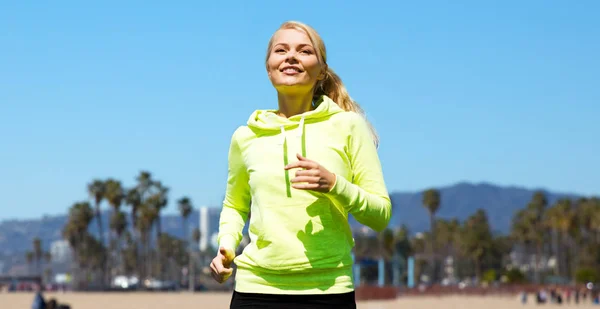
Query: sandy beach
x=184 y=300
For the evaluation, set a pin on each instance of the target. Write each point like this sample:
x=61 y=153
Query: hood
x=268 y=120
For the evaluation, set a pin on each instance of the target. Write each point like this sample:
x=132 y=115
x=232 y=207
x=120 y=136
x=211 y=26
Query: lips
x=291 y=70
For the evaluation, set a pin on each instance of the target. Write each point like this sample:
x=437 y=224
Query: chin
x=293 y=81
x=292 y=88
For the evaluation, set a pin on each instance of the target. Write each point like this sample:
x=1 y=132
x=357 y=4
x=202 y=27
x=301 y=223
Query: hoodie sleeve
x=365 y=196
x=236 y=204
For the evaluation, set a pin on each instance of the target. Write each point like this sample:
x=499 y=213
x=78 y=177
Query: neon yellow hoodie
x=300 y=240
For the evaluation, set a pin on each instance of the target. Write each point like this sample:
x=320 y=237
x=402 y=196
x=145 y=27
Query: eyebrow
x=287 y=45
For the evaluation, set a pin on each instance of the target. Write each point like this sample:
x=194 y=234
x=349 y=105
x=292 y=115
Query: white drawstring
x=282 y=141
x=301 y=127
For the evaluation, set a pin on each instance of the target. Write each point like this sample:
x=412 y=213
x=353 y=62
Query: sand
x=185 y=300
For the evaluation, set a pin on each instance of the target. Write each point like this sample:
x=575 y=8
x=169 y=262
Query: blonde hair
x=331 y=85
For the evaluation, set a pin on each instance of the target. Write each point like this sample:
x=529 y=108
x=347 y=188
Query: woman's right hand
x=221 y=265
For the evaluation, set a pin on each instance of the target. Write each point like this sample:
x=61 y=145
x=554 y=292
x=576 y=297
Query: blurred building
x=204 y=227
x=60 y=251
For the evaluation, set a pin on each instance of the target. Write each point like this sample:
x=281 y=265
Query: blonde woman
x=299 y=171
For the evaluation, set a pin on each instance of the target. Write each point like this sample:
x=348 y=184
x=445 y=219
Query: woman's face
x=293 y=65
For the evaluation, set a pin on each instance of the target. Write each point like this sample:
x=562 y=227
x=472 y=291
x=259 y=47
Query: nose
x=291 y=56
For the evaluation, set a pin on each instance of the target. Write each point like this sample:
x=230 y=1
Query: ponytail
x=333 y=87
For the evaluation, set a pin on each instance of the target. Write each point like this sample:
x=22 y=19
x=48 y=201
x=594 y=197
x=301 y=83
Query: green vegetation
x=546 y=241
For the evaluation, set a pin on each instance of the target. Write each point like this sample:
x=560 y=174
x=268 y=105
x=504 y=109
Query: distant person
x=52 y=304
x=38 y=299
x=542 y=296
x=298 y=172
x=524 y=297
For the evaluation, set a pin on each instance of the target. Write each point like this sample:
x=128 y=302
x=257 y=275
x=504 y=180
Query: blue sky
x=502 y=91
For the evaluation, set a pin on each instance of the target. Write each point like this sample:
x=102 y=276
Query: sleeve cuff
x=228 y=242
x=339 y=193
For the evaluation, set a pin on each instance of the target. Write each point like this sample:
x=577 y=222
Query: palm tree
x=148 y=215
x=30 y=257
x=192 y=266
x=586 y=210
x=96 y=190
x=144 y=180
x=118 y=224
x=38 y=254
x=185 y=209
x=561 y=217
x=134 y=200
x=75 y=231
x=595 y=218
x=535 y=216
x=114 y=195
x=159 y=201
x=477 y=239
x=402 y=242
x=431 y=202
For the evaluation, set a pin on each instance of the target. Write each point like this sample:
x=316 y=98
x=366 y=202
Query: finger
x=227 y=256
x=306 y=186
x=311 y=172
x=224 y=277
x=301 y=158
x=214 y=273
x=216 y=277
x=213 y=268
x=301 y=164
x=309 y=179
x=227 y=272
x=222 y=269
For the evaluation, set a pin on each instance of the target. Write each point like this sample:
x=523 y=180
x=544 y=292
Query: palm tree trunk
x=191 y=273
x=142 y=257
x=478 y=269
x=432 y=258
x=149 y=272
x=74 y=268
x=159 y=256
x=538 y=261
x=556 y=251
x=574 y=256
x=121 y=254
x=101 y=238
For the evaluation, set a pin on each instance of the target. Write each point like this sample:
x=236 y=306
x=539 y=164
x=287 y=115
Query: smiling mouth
x=291 y=70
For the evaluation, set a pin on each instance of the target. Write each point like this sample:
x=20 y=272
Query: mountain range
x=459 y=200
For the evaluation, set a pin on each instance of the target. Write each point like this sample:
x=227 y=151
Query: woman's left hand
x=313 y=176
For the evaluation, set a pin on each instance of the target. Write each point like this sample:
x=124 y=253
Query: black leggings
x=275 y=301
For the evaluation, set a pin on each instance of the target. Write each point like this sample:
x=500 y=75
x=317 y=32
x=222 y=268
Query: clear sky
x=506 y=92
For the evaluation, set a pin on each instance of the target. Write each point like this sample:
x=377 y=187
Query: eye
x=280 y=50
x=306 y=51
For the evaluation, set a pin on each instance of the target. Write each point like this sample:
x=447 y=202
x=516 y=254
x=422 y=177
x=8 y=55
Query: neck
x=290 y=105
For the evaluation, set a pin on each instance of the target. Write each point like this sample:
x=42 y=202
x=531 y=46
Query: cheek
x=274 y=62
x=313 y=67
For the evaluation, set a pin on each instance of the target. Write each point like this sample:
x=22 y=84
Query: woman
x=299 y=171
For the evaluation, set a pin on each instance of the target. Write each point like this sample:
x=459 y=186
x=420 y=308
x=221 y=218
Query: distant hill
x=459 y=200
x=463 y=199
